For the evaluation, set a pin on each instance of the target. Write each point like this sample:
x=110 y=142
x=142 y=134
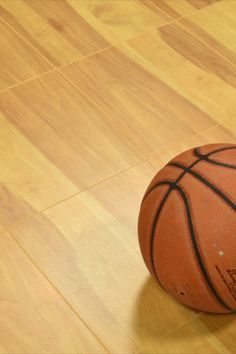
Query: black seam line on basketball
x=173 y=182
x=207 y=183
x=198 y=154
x=171 y=185
x=196 y=249
x=201 y=157
x=221 y=164
x=206 y=158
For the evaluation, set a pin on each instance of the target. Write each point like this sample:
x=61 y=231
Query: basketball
x=187 y=228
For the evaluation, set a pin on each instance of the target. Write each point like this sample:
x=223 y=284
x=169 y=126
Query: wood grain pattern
x=28 y=181
x=156 y=112
x=216 y=26
x=192 y=68
x=179 y=8
x=201 y=336
x=18 y=61
x=33 y=316
x=92 y=257
x=147 y=73
x=65 y=30
x=217 y=133
x=53 y=27
x=78 y=146
x=85 y=144
x=119 y=20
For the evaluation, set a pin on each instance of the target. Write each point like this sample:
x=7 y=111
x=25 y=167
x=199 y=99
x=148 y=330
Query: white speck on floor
x=221 y=253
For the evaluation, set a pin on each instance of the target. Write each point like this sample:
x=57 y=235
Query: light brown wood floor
x=95 y=97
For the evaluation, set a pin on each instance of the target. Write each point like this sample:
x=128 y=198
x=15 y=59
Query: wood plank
x=92 y=256
x=180 y=8
x=217 y=77
x=124 y=84
x=65 y=30
x=82 y=142
x=192 y=69
x=53 y=27
x=18 y=61
x=28 y=181
x=120 y=20
x=200 y=4
x=216 y=26
x=33 y=317
x=218 y=134
x=223 y=328
x=205 y=334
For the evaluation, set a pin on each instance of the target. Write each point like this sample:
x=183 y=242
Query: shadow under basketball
x=157 y=314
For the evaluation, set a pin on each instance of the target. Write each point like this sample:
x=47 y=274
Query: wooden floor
x=95 y=96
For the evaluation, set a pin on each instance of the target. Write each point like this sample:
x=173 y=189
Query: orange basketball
x=187 y=228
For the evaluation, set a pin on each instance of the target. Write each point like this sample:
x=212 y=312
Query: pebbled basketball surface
x=187 y=228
